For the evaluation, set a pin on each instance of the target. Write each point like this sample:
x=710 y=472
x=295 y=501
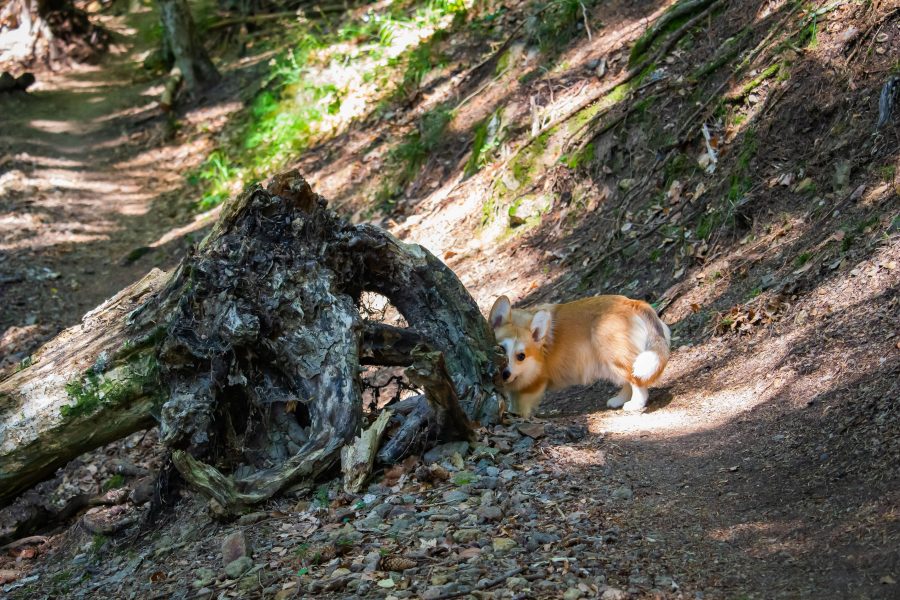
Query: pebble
x=503 y=544
x=613 y=594
x=455 y=496
x=371 y=561
x=238 y=567
x=490 y=513
x=234 y=546
x=464 y=536
x=445 y=451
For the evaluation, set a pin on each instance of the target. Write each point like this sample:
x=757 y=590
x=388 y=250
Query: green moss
x=579 y=158
x=113 y=483
x=130 y=380
x=486 y=143
x=524 y=165
x=464 y=478
x=758 y=80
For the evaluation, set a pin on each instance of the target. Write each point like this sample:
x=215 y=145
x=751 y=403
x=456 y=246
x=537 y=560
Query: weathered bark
x=248 y=354
x=187 y=50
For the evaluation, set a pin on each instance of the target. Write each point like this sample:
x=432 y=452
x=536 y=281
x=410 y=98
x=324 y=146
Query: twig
x=481 y=587
x=587 y=27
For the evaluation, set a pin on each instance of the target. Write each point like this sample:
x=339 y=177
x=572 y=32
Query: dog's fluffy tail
x=650 y=362
x=646 y=365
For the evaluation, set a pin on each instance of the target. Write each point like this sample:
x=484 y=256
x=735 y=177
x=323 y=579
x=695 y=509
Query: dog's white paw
x=634 y=406
x=615 y=402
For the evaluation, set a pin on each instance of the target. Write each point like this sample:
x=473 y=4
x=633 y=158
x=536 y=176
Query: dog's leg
x=638 y=400
x=621 y=398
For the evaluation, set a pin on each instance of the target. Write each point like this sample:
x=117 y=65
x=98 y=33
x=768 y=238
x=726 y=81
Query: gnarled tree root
x=248 y=355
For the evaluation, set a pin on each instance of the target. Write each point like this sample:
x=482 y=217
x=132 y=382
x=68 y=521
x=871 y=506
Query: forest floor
x=768 y=462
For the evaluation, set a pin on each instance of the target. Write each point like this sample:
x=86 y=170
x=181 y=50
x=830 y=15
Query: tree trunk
x=187 y=50
x=248 y=355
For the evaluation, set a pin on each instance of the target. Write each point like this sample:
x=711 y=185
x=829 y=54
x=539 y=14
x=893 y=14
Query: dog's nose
x=506 y=374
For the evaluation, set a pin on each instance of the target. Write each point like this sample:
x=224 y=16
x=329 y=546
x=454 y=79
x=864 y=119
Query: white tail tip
x=646 y=365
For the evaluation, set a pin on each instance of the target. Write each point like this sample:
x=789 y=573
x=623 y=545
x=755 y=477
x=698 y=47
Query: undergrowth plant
x=304 y=97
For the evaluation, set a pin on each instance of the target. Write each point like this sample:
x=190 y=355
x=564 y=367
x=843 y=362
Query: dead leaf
x=888 y=580
x=157 y=577
x=532 y=430
x=695 y=308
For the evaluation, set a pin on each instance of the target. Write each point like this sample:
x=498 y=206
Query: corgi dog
x=554 y=346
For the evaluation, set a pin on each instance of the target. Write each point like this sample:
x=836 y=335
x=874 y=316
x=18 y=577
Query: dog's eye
x=520 y=356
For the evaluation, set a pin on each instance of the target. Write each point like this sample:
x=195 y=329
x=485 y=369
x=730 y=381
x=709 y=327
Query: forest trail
x=768 y=462
x=85 y=180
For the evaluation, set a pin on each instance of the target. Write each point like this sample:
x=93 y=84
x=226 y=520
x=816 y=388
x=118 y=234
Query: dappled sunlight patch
x=765 y=538
x=69 y=127
x=694 y=414
x=582 y=456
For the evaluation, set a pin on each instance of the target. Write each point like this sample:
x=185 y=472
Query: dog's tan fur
x=554 y=346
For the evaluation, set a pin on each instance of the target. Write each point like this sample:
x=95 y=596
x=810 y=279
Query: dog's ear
x=500 y=312
x=540 y=325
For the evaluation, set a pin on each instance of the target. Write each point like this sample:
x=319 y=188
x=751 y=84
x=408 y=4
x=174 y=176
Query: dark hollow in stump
x=248 y=355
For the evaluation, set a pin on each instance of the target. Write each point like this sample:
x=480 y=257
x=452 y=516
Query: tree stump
x=248 y=355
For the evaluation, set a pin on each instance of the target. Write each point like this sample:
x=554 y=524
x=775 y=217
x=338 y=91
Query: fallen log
x=248 y=354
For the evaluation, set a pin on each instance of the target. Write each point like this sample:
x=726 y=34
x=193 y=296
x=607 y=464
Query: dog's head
x=522 y=335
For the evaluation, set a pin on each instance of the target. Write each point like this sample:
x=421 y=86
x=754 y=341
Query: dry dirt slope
x=767 y=465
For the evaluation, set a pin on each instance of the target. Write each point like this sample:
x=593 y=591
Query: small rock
x=463 y=536
x=514 y=583
x=445 y=451
x=238 y=567
x=612 y=594
x=143 y=490
x=401 y=525
x=490 y=513
x=455 y=496
x=503 y=544
x=432 y=593
x=234 y=546
x=492 y=472
x=386 y=583
x=487 y=483
x=533 y=430
x=371 y=561
x=623 y=493
x=251 y=518
x=526 y=443
x=508 y=474
x=572 y=594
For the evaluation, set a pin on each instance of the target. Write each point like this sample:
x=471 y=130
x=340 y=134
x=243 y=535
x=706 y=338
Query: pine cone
x=397 y=563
